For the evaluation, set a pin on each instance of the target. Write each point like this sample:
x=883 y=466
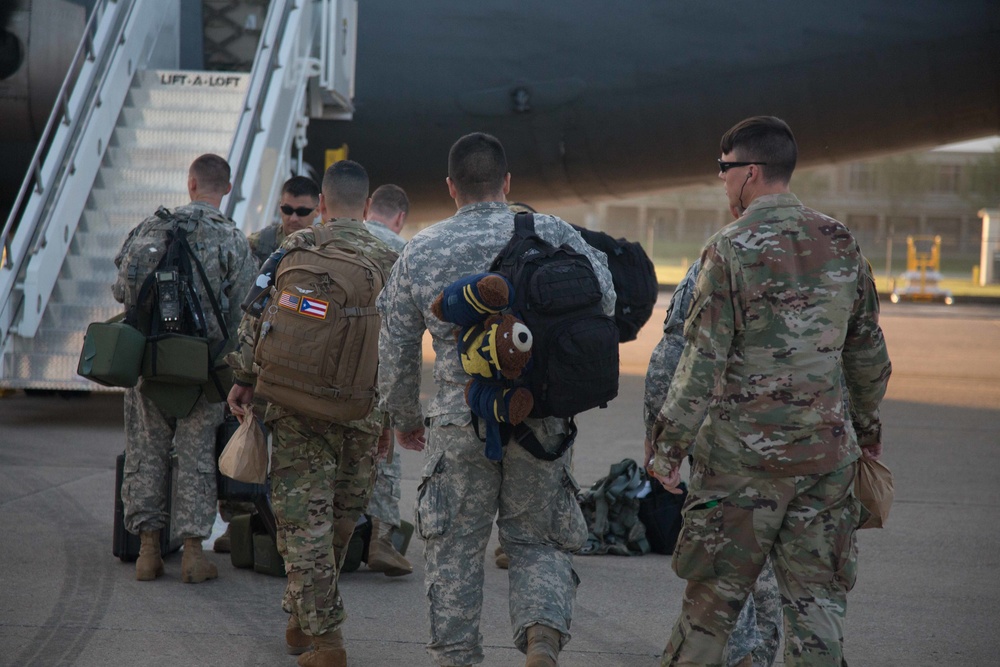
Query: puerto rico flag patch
x=314 y=308
x=289 y=301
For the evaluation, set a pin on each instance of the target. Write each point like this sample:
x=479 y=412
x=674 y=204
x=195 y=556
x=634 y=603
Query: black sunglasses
x=302 y=211
x=725 y=166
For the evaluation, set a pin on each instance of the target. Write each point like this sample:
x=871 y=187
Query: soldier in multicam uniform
x=461 y=490
x=297 y=209
x=756 y=638
x=321 y=472
x=784 y=317
x=150 y=433
x=386 y=217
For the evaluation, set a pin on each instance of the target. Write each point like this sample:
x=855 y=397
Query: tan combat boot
x=296 y=641
x=382 y=555
x=502 y=559
x=543 y=646
x=328 y=651
x=195 y=568
x=149 y=565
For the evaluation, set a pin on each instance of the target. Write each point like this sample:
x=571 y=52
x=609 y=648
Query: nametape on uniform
x=304 y=306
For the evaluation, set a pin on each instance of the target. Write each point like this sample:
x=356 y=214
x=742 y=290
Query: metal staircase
x=161 y=128
x=77 y=205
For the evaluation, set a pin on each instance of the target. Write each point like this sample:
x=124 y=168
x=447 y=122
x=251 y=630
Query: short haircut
x=389 y=199
x=345 y=185
x=212 y=173
x=763 y=139
x=477 y=165
x=301 y=186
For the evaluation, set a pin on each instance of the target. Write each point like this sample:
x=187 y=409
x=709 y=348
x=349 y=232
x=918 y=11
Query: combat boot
x=382 y=554
x=195 y=568
x=223 y=543
x=543 y=646
x=296 y=641
x=149 y=565
x=502 y=559
x=328 y=651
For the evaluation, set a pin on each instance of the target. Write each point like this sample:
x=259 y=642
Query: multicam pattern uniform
x=384 y=504
x=461 y=490
x=784 y=316
x=149 y=433
x=758 y=628
x=321 y=472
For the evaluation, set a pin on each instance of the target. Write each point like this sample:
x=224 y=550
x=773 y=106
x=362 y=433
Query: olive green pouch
x=112 y=353
x=241 y=541
x=176 y=359
x=175 y=400
x=266 y=558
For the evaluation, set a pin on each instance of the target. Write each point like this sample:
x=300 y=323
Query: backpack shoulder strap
x=524 y=225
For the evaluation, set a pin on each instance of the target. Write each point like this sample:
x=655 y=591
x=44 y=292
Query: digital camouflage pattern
x=781 y=337
x=386 y=235
x=149 y=433
x=758 y=628
x=321 y=472
x=540 y=526
x=539 y=519
x=265 y=241
x=384 y=504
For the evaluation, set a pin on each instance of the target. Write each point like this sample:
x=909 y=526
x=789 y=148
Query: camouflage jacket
x=352 y=232
x=220 y=247
x=436 y=257
x=389 y=237
x=265 y=241
x=783 y=317
x=666 y=354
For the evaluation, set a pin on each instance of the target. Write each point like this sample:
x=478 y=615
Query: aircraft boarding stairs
x=59 y=267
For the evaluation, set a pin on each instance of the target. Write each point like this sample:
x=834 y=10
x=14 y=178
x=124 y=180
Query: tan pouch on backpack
x=317 y=352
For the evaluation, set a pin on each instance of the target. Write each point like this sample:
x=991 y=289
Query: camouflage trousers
x=321 y=477
x=540 y=525
x=149 y=437
x=732 y=523
x=758 y=629
x=384 y=504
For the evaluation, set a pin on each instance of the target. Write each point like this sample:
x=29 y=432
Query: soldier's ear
x=368 y=205
x=322 y=207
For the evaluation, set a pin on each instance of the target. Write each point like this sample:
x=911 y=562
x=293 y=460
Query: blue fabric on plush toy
x=470 y=300
x=494 y=348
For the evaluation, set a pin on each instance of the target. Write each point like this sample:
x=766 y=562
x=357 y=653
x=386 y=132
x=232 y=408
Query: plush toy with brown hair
x=495 y=349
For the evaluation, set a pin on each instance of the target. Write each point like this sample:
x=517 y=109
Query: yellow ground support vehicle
x=921 y=281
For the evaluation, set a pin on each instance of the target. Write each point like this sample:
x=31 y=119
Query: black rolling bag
x=125 y=545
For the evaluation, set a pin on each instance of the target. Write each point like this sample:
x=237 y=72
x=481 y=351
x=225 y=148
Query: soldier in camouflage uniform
x=783 y=317
x=321 y=472
x=756 y=638
x=386 y=217
x=151 y=431
x=297 y=209
x=460 y=492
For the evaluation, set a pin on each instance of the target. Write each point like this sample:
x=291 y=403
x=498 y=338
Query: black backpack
x=574 y=363
x=634 y=277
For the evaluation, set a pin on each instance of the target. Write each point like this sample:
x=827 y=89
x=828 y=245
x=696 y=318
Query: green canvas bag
x=112 y=353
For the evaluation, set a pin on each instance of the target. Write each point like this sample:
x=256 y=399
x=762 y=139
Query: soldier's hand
x=413 y=440
x=238 y=398
x=872 y=452
x=669 y=482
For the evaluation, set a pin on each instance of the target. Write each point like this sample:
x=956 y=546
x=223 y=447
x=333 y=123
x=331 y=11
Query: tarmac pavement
x=928 y=592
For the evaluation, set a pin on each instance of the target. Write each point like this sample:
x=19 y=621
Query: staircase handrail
x=60 y=113
x=263 y=69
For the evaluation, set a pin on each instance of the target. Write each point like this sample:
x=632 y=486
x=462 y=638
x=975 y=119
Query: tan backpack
x=317 y=352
